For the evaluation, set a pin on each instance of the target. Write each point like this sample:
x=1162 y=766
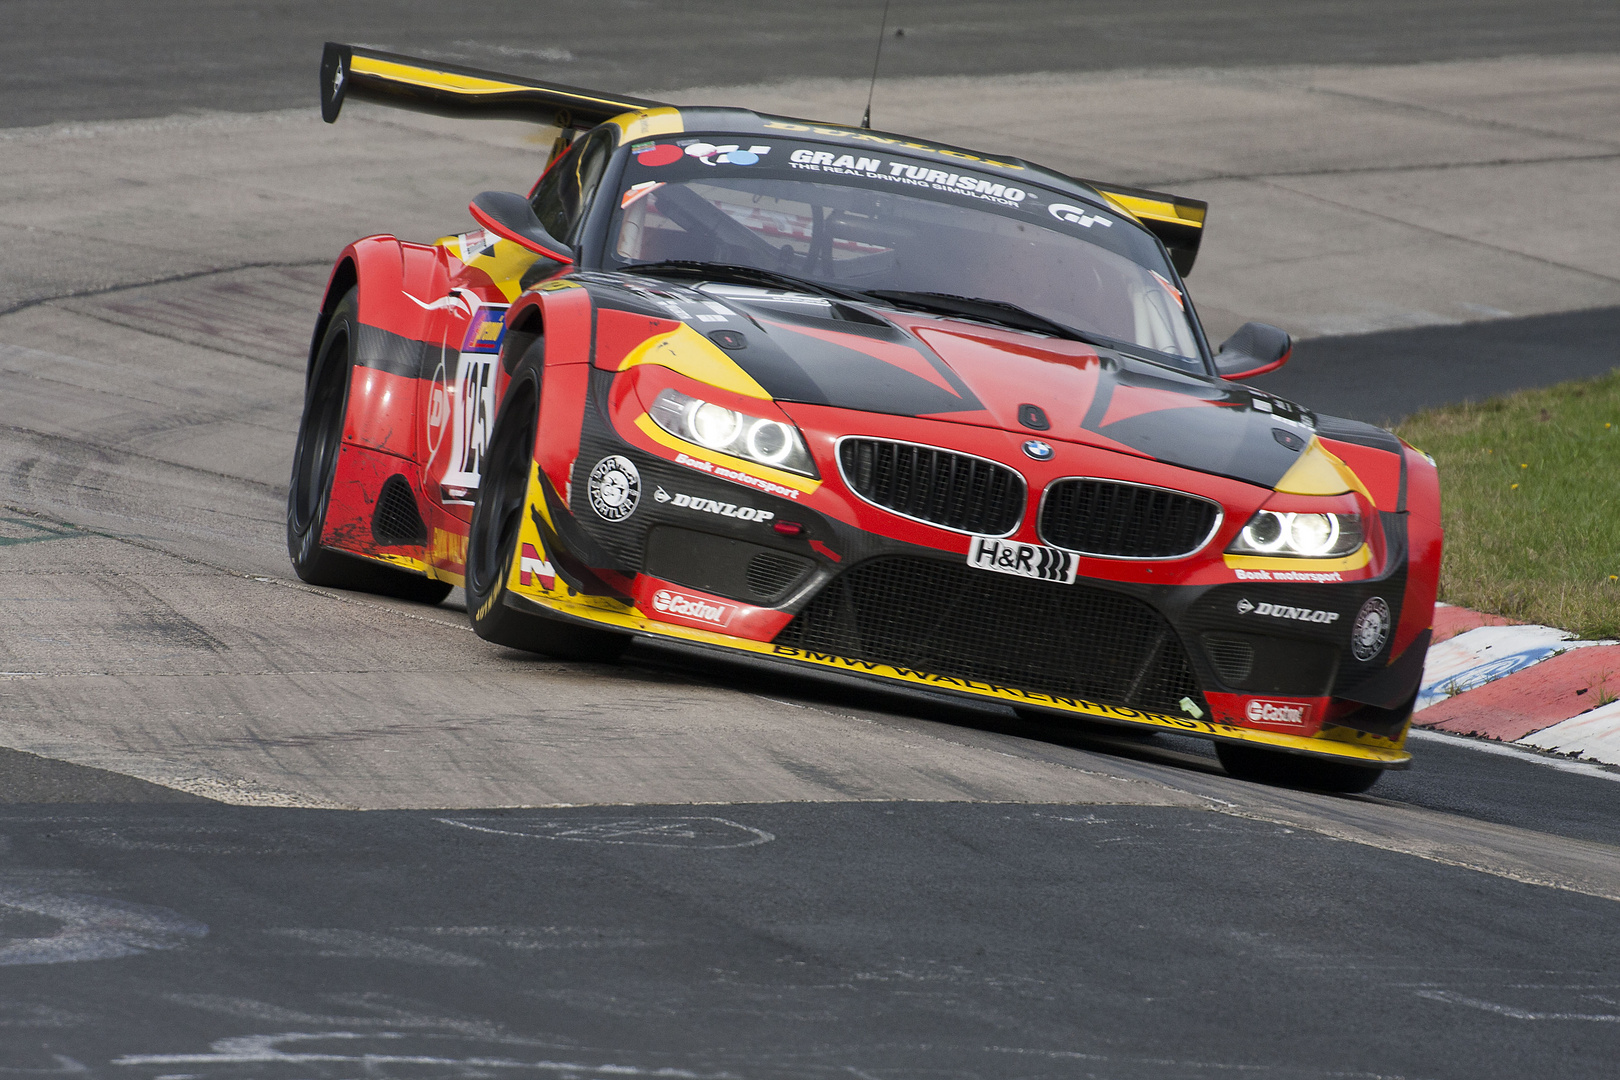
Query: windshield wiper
x=996 y=311
x=746 y=275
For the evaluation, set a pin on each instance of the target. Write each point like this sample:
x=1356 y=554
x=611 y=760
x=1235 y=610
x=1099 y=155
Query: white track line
x=1487 y=747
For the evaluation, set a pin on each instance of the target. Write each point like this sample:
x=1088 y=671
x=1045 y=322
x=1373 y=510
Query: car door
x=459 y=400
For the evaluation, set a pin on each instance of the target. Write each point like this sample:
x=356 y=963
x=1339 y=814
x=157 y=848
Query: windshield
x=868 y=221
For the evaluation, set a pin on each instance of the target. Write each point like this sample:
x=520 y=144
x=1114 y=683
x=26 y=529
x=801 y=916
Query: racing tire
x=1294 y=770
x=493 y=536
x=320 y=437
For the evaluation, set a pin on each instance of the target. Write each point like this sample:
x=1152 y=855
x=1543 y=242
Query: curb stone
x=1521 y=683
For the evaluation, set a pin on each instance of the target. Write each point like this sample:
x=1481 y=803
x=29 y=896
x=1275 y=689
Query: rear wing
x=1177 y=221
x=404 y=82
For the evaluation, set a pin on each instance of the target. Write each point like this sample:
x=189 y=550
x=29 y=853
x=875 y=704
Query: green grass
x=1530 y=499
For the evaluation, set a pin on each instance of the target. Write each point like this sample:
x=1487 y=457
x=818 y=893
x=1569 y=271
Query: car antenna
x=866 y=120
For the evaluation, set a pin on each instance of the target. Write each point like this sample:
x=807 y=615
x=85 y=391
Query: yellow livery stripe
x=695 y=356
x=1157 y=209
x=439 y=79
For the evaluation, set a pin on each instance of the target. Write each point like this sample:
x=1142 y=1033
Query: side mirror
x=1254 y=350
x=509 y=215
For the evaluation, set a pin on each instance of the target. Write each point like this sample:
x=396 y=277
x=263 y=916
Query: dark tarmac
x=101 y=59
x=150 y=933
x=869 y=940
x=1382 y=377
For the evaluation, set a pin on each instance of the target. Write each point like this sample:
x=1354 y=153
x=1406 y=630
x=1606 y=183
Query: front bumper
x=1207 y=651
x=1168 y=649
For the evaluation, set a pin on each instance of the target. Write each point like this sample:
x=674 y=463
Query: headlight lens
x=1299 y=536
x=753 y=438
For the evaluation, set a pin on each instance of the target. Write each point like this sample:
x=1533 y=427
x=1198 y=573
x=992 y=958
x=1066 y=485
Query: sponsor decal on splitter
x=1283 y=611
x=1022 y=560
x=1277 y=712
x=666 y=602
x=713 y=506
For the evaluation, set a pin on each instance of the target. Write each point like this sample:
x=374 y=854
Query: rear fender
x=402 y=299
x=400 y=330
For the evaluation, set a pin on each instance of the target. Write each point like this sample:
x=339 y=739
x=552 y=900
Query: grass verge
x=1530 y=498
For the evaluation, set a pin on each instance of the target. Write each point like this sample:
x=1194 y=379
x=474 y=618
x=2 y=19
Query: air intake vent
x=771 y=574
x=947 y=619
x=1126 y=521
x=397 y=521
x=1233 y=659
x=954 y=491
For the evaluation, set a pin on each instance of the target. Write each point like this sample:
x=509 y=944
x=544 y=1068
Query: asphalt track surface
x=1382 y=377
x=777 y=876
x=100 y=59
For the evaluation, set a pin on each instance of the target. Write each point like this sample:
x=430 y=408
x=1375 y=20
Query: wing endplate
x=405 y=82
x=1175 y=219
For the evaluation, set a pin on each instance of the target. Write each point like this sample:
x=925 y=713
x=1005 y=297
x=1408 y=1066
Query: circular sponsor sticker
x=662 y=154
x=614 y=488
x=1371 y=629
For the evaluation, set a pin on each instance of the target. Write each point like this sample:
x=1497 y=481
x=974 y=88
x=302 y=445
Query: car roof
x=727 y=120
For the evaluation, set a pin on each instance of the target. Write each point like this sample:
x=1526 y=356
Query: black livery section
x=787 y=345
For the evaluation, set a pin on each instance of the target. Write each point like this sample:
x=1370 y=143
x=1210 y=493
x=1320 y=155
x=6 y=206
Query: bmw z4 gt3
x=860 y=403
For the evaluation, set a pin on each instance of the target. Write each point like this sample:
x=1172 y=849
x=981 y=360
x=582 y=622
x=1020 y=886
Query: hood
x=801 y=348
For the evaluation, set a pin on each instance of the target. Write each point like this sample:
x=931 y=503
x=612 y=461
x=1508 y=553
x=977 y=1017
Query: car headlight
x=753 y=438
x=1299 y=536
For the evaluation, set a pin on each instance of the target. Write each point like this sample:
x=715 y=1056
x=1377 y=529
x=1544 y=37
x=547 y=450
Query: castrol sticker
x=692 y=608
x=1291 y=713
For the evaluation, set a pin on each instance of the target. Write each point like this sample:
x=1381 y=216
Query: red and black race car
x=857 y=402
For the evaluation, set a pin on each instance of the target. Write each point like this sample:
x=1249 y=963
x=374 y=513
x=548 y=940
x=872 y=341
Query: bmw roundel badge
x=1038 y=450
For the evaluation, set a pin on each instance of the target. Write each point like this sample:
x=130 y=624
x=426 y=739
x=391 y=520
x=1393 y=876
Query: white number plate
x=1022 y=560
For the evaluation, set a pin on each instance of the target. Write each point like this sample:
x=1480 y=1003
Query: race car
x=855 y=402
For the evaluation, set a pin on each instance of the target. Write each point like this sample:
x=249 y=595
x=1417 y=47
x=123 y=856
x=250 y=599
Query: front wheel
x=493 y=536
x=1294 y=770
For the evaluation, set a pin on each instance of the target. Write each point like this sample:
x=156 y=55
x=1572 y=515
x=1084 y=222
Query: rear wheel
x=493 y=537
x=320 y=437
x=1293 y=770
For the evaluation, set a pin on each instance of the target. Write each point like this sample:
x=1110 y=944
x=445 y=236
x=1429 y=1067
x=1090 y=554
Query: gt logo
x=1283 y=611
x=532 y=568
x=1078 y=215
